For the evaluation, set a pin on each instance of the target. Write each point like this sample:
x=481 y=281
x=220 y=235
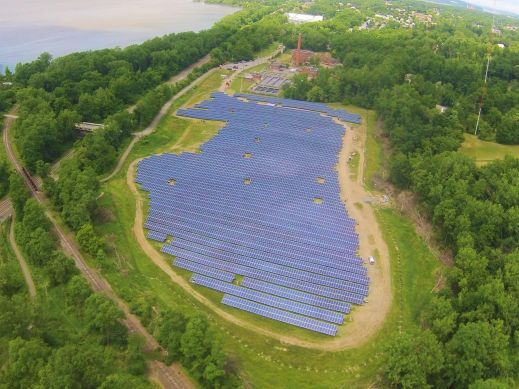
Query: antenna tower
x=489 y=57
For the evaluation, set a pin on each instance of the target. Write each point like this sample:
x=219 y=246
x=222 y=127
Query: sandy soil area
x=367 y=319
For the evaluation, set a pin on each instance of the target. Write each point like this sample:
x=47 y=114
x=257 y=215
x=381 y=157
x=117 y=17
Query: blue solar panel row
x=328 y=208
x=247 y=206
x=319 y=107
x=198 y=241
x=319 y=238
x=267 y=299
x=205 y=270
x=350 y=285
x=158 y=236
x=221 y=250
x=236 y=236
x=255 y=236
x=286 y=219
x=289 y=282
x=297 y=295
x=280 y=315
x=289 y=219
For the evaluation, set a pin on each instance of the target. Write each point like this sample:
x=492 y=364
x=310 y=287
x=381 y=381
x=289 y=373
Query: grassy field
x=374 y=161
x=262 y=361
x=414 y=266
x=484 y=152
x=240 y=85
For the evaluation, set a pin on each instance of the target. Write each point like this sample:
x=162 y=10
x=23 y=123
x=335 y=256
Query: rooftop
x=304 y=18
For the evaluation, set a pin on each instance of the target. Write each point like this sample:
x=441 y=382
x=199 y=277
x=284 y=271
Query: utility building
x=304 y=18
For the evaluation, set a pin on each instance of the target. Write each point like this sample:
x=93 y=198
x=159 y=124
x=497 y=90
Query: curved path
x=165 y=108
x=156 y=120
x=367 y=319
x=184 y=73
x=180 y=76
x=6 y=211
x=21 y=260
x=169 y=377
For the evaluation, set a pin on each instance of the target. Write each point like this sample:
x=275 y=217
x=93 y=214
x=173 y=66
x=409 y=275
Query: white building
x=304 y=18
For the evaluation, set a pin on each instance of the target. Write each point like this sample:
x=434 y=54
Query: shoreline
x=73 y=31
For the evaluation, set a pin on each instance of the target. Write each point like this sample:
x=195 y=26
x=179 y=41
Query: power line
x=489 y=56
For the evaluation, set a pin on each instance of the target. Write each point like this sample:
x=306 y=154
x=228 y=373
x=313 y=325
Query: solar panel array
x=307 y=105
x=270 y=83
x=158 y=236
x=262 y=201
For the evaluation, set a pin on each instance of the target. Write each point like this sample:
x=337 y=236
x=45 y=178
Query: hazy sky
x=505 y=5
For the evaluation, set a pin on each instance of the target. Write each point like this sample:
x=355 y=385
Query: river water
x=30 y=27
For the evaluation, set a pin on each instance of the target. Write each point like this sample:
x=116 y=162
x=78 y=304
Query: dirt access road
x=21 y=260
x=169 y=377
x=180 y=76
x=163 y=111
x=165 y=108
x=6 y=211
x=367 y=319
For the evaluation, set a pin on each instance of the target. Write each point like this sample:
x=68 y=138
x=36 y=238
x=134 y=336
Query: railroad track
x=163 y=373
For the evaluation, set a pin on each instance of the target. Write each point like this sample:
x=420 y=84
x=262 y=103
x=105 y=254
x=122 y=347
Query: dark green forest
x=72 y=337
x=468 y=334
x=469 y=331
x=67 y=334
x=470 y=328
